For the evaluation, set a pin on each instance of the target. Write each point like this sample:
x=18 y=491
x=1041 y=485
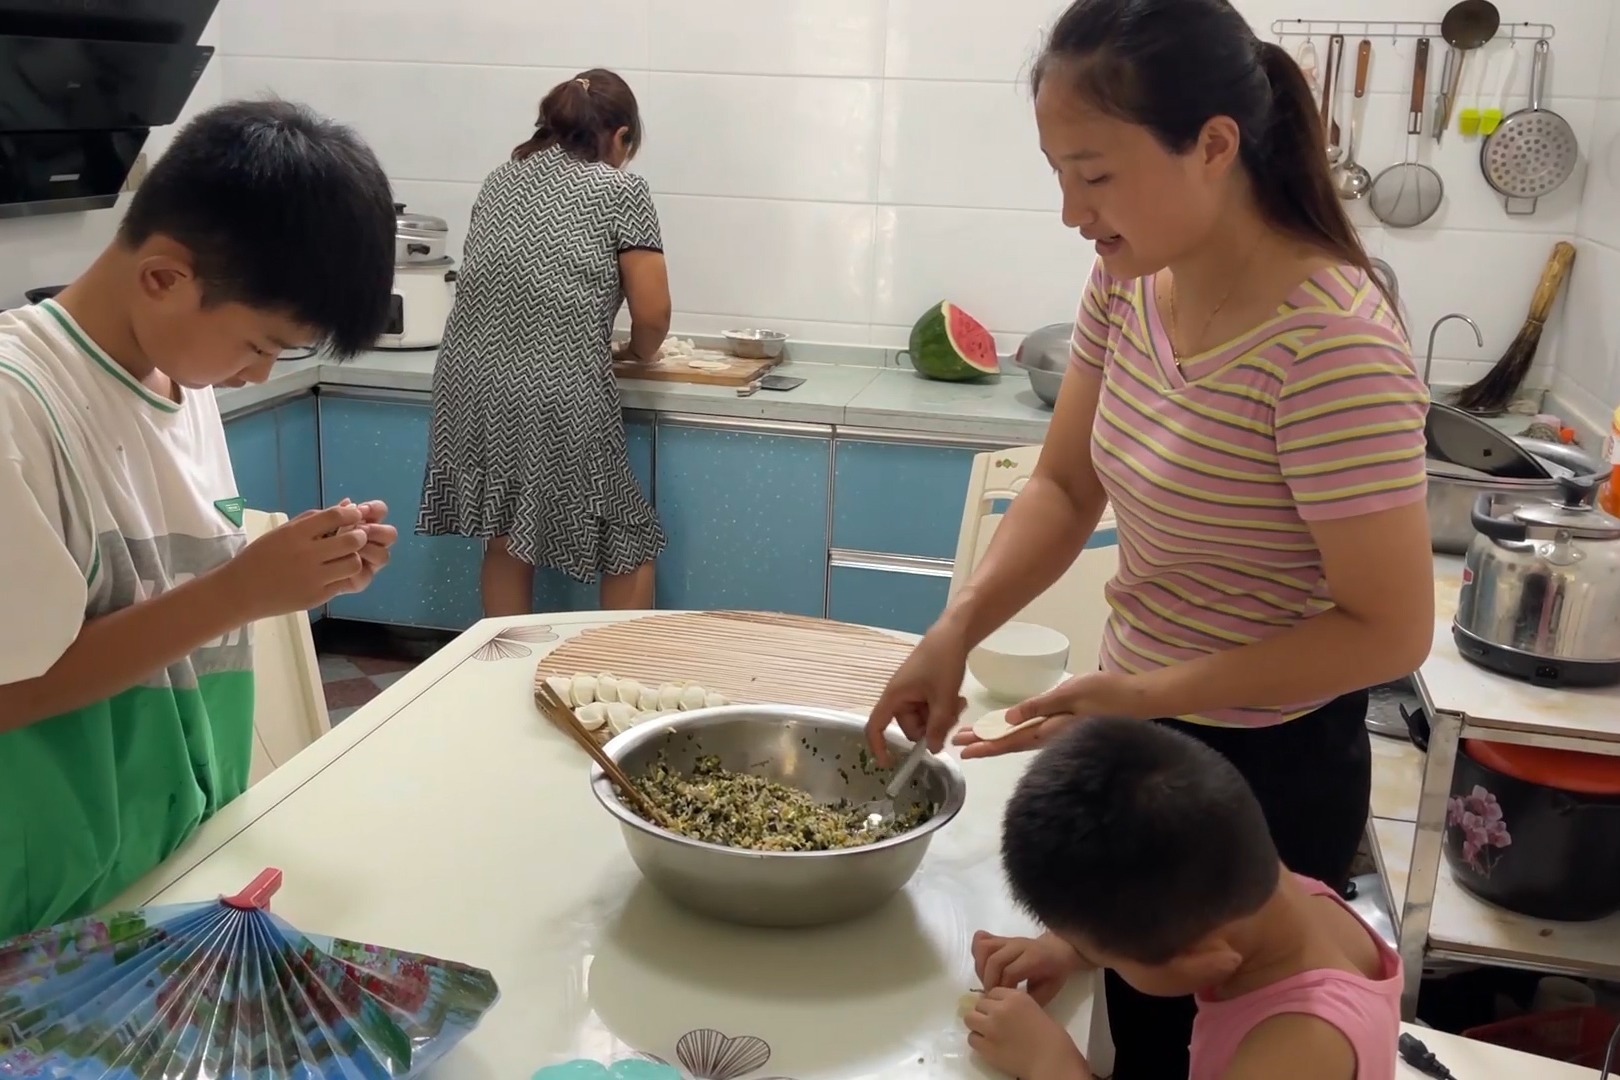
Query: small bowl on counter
x=754 y=344
x=815 y=750
x=1020 y=660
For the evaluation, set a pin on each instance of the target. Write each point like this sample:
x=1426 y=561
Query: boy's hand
x=1012 y=1033
x=300 y=565
x=379 y=541
x=1044 y=964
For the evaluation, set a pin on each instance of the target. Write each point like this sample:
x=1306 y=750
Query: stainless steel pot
x=1540 y=596
x=1453 y=492
x=812 y=749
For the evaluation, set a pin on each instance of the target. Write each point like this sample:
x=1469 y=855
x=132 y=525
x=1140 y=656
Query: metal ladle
x=1353 y=180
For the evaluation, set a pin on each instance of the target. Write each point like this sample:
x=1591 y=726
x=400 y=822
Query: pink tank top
x=1367 y=1011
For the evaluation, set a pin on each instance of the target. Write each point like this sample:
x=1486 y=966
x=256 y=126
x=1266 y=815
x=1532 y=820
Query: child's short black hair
x=283 y=211
x=1137 y=838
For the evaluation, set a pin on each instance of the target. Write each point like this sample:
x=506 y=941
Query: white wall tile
x=601 y=33
x=778 y=37
x=966 y=39
x=777 y=138
x=1591 y=353
x=1600 y=209
x=775 y=260
x=425 y=121
x=923 y=255
x=963 y=144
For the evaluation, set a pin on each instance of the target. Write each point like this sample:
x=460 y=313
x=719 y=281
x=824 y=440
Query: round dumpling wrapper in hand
x=993 y=725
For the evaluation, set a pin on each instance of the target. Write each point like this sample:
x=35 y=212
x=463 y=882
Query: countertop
x=446 y=817
x=861 y=395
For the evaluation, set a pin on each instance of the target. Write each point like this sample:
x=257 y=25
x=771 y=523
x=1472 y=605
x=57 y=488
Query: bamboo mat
x=750 y=658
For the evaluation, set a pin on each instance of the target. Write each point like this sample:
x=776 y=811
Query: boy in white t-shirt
x=126 y=681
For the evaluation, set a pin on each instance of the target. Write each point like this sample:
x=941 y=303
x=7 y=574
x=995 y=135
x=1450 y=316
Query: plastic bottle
x=1609 y=497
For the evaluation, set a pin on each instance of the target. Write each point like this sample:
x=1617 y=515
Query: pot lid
x=1564 y=770
x=1574 y=513
x=423 y=226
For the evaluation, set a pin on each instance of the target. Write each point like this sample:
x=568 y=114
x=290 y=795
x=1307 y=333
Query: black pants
x=1313 y=777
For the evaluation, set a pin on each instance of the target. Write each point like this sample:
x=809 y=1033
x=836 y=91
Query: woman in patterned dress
x=527 y=447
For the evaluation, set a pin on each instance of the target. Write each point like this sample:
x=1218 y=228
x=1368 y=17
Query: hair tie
x=586 y=83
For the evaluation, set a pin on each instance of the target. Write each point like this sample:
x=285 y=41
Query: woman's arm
x=1047 y=525
x=1380 y=571
x=644 y=277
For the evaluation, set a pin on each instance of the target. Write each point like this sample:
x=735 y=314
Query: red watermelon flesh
x=948 y=343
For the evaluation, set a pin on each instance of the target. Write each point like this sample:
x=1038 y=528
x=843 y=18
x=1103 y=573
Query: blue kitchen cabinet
x=255 y=459
x=899 y=498
x=746 y=512
x=377 y=449
x=889 y=599
x=558 y=592
x=298 y=432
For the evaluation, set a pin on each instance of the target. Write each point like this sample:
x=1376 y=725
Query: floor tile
x=374 y=665
x=339 y=669
x=350 y=692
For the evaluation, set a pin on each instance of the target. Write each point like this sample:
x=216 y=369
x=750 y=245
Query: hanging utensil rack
x=1284 y=29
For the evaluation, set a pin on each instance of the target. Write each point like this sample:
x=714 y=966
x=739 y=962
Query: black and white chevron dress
x=527 y=438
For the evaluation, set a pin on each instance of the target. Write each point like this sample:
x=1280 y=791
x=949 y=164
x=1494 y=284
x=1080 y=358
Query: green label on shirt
x=232 y=509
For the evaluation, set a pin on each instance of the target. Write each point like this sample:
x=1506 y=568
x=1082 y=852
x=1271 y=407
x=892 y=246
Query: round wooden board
x=751 y=658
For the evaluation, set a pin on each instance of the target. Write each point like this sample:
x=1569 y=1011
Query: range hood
x=82 y=83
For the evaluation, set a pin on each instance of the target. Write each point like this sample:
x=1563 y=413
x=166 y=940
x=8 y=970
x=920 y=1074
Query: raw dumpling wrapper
x=648 y=701
x=630 y=692
x=582 y=690
x=993 y=725
x=712 y=700
x=692 y=697
x=592 y=716
x=669 y=697
x=562 y=686
x=607 y=688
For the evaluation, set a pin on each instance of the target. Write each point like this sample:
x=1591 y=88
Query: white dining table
x=447 y=817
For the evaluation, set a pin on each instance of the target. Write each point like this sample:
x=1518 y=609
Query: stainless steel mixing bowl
x=816 y=750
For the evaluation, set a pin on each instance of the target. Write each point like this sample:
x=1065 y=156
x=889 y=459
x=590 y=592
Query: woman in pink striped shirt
x=1243 y=394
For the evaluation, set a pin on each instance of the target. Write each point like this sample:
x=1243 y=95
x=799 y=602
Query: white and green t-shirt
x=109 y=495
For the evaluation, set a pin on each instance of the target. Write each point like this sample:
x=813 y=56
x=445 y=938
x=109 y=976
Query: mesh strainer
x=1408 y=193
x=1533 y=152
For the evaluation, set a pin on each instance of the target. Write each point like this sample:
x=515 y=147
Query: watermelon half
x=947 y=343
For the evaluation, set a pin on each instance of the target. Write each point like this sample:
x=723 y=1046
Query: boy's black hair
x=283 y=211
x=1137 y=838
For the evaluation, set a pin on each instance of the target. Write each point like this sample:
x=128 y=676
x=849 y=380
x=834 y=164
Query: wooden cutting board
x=749 y=657
x=737 y=372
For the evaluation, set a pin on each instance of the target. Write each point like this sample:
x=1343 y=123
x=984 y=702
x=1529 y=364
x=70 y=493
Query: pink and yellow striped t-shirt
x=1215 y=467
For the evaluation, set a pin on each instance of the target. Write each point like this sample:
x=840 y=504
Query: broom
x=1492 y=393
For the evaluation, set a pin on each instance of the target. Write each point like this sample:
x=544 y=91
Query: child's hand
x=379 y=540
x=300 y=565
x=1044 y=963
x=1012 y=1033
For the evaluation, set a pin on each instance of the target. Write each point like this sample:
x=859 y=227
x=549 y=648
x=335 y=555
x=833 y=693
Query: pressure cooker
x=1540 y=596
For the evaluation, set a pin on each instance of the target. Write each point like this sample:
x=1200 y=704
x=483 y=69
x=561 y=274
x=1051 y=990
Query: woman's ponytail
x=1288 y=166
x=582 y=114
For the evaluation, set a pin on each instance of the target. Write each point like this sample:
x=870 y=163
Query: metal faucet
x=1428 y=361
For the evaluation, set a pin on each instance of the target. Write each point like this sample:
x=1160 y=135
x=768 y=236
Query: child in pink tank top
x=1142 y=850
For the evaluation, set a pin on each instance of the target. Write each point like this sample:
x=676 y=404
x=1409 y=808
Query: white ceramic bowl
x=1020 y=660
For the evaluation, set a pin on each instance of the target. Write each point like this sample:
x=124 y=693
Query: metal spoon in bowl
x=880 y=812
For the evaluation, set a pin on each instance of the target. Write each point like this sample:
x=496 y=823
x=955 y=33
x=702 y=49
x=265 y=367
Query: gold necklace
x=1175 y=351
